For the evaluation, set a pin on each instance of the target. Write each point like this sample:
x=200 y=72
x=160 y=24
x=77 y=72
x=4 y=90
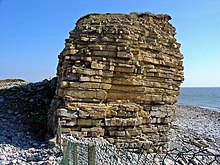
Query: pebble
x=2 y=162
x=18 y=148
x=2 y=157
x=31 y=100
x=212 y=151
x=14 y=161
x=17 y=145
x=1 y=100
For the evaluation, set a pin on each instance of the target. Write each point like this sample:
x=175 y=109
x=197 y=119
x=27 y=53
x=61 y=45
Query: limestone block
x=89 y=72
x=85 y=129
x=150 y=129
x=153 y=120
x=156 y=98
x=96 y=79
x=104 y=53
x=64 y=84
x=62 y=112
x=163 y=128
x=83 y=114
x=81 y=94
x=65 y=130
x=119 y=77
x=158 y=114
x=121 y=113
x=70 y=51
x=71 y=122
x=132 y=133
x=146 y=144
x=128 y=81
x=76 y=128
x=96 y=65
x=144 y=113
x=146 y=120
x=84 y=122
x=125 y=55
x=87 y=59
x=119 y=133
x=72 y=77
x=124 y=69
x=105 y=86
x=102 y=94
x=84 y=78
x=111 y=133
x=168 y=119
x=90 y=85
x=151 y=60
x=111 y=47
x=160 y=121
x=84 y=39
x=95 y=47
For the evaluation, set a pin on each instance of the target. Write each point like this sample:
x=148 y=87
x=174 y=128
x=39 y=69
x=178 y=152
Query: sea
x=203 y=97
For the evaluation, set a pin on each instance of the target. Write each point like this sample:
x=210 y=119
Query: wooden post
x=64 y=161
x=65 y=144
x=91 y=153
x=74 y=152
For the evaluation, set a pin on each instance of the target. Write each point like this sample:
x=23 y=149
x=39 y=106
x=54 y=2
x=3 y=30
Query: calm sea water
x=204 y=97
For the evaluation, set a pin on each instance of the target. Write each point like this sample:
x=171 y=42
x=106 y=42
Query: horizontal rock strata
x=119 y=78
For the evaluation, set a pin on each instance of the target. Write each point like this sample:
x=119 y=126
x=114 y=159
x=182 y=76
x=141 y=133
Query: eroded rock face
x=119 y=78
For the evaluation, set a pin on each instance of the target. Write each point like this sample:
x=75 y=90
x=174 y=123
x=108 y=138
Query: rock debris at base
x=20 y=141
x=195 y=128
x=17 y=145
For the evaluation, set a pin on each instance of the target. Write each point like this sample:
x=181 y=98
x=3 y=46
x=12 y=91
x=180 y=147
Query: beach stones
x=1 y=99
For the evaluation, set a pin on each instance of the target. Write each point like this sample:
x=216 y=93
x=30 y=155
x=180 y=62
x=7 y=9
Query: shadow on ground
x=23 y=112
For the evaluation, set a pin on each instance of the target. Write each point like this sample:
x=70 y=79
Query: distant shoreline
x=199 y=106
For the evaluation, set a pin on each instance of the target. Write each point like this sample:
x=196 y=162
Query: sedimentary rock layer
x=119 y=78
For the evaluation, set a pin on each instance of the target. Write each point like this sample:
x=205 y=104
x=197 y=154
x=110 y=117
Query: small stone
x=35 y=144
x=50 y=160
x=2 y=139
x=30 y=159
x=19 y=161
x=2 y=162
x=52 y=141
x=42 y=145
x=212 y=151
x=31 y=100
x=2 y=157
x=10 y=112
x=1 y=99
x=14 y=161
x=210 y=139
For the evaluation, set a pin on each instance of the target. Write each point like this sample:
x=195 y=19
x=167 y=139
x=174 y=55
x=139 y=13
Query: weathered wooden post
x=69 y=153
x=91 y=153
x=74 y=152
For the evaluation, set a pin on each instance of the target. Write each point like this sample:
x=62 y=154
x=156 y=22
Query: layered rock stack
x=119 y=78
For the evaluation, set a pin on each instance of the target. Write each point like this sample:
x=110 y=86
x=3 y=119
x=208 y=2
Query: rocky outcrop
x=28 y=103
x=8 y=83
x=119 y=78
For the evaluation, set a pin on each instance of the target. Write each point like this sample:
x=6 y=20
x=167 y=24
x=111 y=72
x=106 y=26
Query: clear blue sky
x=32 y=34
